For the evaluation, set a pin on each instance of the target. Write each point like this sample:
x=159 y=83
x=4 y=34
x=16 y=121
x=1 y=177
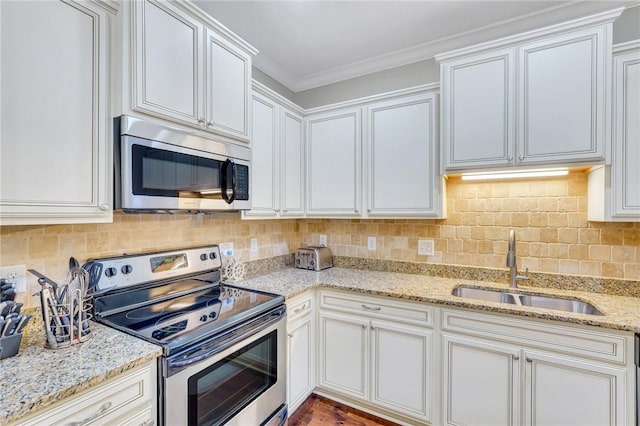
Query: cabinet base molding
x=367 y=408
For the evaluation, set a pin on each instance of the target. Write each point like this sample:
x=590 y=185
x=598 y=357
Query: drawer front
x=557 y=338
x=299 y=306
x=105 y=403
x=378 y=307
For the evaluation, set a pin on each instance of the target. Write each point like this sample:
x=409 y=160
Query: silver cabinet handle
x=369 y=308
x=104 y=207
x=103 y=409
x=148 y=422
x=300 y=309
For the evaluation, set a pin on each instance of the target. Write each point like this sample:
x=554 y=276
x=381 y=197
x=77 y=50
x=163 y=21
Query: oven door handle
x=231 y=338
x=228 y=181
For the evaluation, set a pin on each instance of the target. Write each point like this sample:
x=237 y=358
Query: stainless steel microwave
x=163 y=169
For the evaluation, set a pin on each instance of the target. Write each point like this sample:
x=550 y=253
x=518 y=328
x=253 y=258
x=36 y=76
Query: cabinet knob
x=529 y=359
x=201 y=120
x=521 y=158
x=290 y=334
x=285 y=211
x=364 y=326
x=515 y=357
x=510 y=158
x=104 y=207
x=210 y=123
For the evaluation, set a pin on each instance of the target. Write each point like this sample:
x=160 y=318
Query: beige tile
x=589 y=236
x=611 y=236
x=568 y=266
x=44 y=245
x=568 y=235
x=632 y=271
x=612 y=270
x=558 y=251
x=631 y=237
x=579 y=251
x=601 y=253
x=590 y=267
x=623 y=254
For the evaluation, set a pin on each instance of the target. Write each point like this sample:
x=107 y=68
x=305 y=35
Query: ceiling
x=306 y=44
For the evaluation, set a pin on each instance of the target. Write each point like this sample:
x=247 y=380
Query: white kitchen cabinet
x=560 y=118
x=277 y=173
x=501 y=371
x=403 y=164
x=377 y=353
x=186 y=71
x=344 y=354
x=129 y=399
x=481 y=382
x=478 y=110
x=614 y=191
x=56 y=139
x=334 y=161
x=566 y=391
x=301 y=350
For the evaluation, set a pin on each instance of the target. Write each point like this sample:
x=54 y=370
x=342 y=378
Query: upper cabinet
x=334 y=160
x=278 y=149
x=402 y=144
x=538 y=98
x=186 y=68
x=56 y=140
x=614 y=191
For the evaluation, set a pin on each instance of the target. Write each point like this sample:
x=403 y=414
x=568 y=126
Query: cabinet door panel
x=264 y=168
x=626 y=138
x=168 y=70
x=334 y=179
x=54 y=135
x=561 y=105
x=402 y=360
x=555 y=392
x=228 y=77
x=300 y=374
x=481 y=382
x=344 y=354
x=403 y=174
x=293 y=164
x=477 y=106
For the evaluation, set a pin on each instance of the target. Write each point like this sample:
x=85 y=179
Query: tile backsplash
x=549 y=216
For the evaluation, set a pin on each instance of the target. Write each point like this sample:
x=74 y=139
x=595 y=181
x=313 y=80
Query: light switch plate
x=425 y=248
x=254 y=245
x=371 y=243
x=323 y=240
x=226 y=249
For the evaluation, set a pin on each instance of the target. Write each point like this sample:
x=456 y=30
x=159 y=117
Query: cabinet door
x=292 y=170
x=477 y=110
x=481 y=382
x=344 y=354
x=167 y=65
x=300 y=380
x=55 y=139
x=264 y=166
x=228 y=85
x=626 y=136
x=334 y=163
x=401 y=369
x=403 y=174
x=572 y=392
x=561 y=106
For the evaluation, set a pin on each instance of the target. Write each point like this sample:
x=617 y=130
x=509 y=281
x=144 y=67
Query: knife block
x=10 y=345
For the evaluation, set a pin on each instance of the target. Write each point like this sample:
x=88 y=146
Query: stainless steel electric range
x=223 y=346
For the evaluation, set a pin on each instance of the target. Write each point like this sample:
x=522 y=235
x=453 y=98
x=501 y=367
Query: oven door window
x=219 y=392
x=162 y=173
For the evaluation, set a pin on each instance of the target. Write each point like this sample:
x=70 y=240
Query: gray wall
x=625 y=28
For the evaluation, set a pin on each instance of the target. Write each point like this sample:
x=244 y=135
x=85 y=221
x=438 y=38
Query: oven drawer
x=378 y=307
x=110 y=403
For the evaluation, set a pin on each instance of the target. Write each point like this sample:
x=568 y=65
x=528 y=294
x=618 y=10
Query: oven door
x=159 y=176
x=242 y=384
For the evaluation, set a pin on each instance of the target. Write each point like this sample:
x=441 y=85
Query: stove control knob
x=110 y=272
x=203 y=318
x=126 y=269
x=213 y=315
x=213 y=255
x=203 y=256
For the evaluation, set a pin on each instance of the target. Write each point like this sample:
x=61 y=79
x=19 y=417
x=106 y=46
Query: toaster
x=314 y=258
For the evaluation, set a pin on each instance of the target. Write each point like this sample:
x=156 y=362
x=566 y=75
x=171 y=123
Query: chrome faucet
x=512 y=263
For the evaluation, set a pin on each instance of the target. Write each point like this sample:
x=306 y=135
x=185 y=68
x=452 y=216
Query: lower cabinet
x=301 y=347
x=507 y=371
x=371 y=358
x=129 y=399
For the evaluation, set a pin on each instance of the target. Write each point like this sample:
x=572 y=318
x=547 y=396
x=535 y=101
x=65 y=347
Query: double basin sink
x=521 y=299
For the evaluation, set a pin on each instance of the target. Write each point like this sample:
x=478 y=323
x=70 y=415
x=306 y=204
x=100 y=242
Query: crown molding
x=110 y=6
x=275 y=96
x=626 y=47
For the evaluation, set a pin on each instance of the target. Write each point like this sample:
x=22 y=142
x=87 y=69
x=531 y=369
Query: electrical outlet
x=425 y=248
x=226 y=249
x=371 y=243
x=323 y=240
x=254 y=245
x=17 y=275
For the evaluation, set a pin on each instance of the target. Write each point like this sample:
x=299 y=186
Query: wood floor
x=316 y=411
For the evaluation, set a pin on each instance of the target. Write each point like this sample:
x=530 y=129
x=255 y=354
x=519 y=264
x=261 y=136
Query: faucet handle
x=525 y=276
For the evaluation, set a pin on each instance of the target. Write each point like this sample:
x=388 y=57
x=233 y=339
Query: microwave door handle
x=228 y=164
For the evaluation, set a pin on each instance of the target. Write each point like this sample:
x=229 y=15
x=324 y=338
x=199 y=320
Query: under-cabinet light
x=515 y=175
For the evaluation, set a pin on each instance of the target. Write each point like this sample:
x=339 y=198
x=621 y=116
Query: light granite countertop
x=620 y=313
x=38 y=377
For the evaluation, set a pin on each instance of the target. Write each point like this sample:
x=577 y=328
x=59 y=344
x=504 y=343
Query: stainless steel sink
x=546 y=302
